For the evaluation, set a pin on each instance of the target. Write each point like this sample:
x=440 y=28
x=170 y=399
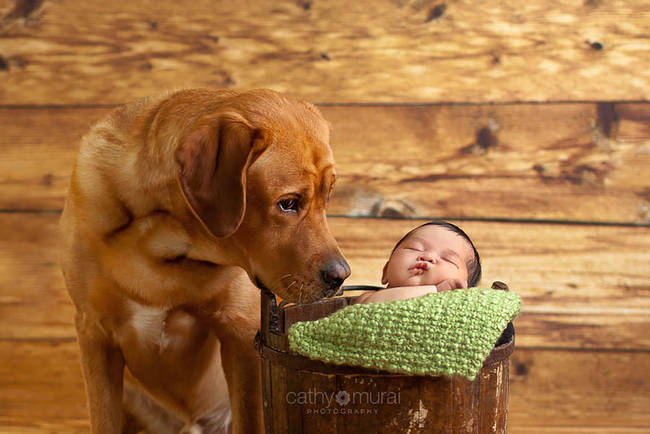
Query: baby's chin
x=415 y=280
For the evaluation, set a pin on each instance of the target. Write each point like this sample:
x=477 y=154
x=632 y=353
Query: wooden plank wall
x=527 y=124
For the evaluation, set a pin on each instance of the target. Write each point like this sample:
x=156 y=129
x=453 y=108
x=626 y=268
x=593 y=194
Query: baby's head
x=430 y=254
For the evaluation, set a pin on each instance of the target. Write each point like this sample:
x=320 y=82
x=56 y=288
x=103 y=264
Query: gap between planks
x=415 y=218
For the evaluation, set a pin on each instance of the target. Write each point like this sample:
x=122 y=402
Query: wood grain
x=578 y=389
x=582 y=286
x=556 y=391
x=526 y=429
x=42 y=388
x=435 y=114
x=99 y=52
x=39 y=149
x=566 y=162
x=551 y=161
x=33 y=299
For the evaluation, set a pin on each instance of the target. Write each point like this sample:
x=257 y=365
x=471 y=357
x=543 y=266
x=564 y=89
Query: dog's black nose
x=333 y=275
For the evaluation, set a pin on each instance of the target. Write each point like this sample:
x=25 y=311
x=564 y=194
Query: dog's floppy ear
x=212 y=164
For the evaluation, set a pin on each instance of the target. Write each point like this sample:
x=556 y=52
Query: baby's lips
x=421 y=265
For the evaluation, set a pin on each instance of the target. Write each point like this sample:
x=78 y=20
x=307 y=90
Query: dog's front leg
x=243 y=370
x=103 y=369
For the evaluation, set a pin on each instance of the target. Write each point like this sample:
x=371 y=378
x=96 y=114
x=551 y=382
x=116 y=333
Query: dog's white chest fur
x=149 y=324
x=159 y=330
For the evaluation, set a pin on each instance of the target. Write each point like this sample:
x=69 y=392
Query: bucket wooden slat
x=323 y=423
x=267 y=380
x=279 y=390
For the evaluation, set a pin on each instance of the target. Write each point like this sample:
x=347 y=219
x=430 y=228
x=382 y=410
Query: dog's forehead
x=305 y=135
x=302 y=153
x=310 y=127
x=270 y=110
x=299 y=144
x=293 y=161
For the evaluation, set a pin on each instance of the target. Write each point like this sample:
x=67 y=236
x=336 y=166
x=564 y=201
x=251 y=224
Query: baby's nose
x=427 y=257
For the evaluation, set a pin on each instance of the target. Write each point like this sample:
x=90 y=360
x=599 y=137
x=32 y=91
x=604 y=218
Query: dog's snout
x=334 y=274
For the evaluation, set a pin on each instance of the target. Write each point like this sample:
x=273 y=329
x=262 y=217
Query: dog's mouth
x=298 y=295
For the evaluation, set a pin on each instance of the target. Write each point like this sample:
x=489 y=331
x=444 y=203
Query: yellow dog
x=177 y=204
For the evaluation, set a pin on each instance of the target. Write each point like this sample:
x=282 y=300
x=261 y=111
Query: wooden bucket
x=308 y=396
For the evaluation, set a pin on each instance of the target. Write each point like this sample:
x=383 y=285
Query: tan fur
x=172 y=212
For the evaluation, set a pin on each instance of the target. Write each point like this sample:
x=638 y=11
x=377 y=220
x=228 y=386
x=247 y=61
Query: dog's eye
x=289 y=205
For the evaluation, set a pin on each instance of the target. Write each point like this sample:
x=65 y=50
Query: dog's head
x=257 y=173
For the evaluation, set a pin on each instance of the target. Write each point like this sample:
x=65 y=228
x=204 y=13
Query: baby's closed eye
x=451 y=261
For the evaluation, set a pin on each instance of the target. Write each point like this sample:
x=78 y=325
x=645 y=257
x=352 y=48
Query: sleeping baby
x=463 y=326
x=433 y=257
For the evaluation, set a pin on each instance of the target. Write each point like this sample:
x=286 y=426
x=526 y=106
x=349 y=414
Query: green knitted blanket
x=450 y=333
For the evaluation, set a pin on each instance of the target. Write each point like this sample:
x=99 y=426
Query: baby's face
x=428 y=256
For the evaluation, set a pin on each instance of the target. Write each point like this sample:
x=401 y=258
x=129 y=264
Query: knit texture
x=450 y=333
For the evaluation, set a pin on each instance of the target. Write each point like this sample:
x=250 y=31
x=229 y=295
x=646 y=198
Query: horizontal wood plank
x=582 y=286
x=39 y=149
x=583 y=389
x=584 y=329
x=42 y=388
x=566 y=162
x=99 y=52
x=33 y=299
x=525 y=429
x=550 y=161
x=554 y=391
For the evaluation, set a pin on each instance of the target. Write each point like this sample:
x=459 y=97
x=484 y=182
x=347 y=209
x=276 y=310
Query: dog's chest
x=148 y=324
x=175 y=357
x=163 y=329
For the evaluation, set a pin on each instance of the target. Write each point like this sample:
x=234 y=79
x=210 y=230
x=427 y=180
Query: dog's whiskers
x=302 y=285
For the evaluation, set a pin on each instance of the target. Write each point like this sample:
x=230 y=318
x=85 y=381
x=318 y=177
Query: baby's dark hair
x=473 y=265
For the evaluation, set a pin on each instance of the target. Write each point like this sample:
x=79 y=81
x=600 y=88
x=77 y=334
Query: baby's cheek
x=405 y=280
